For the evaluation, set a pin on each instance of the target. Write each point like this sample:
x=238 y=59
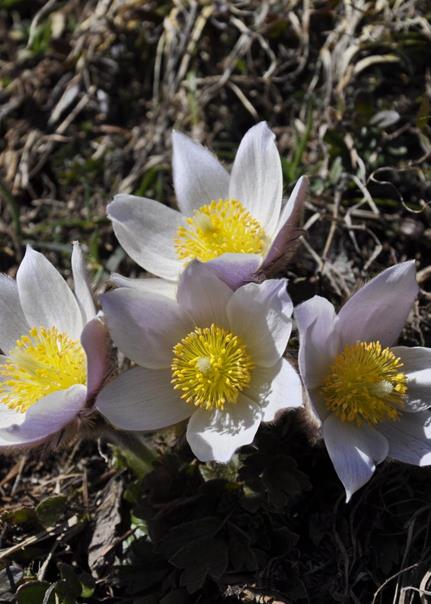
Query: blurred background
x=89 y=93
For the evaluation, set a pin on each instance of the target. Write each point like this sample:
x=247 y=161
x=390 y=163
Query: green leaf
x=33 y=592
x=51 y=510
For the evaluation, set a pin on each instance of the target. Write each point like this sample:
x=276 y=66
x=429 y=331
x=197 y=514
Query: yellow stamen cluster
x=211 y=367
x=365 y=385
x=220 y=227
x=42 y=362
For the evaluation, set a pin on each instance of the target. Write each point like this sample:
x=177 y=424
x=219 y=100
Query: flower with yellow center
x=42 y=362
x=235 y=222
x=213 y=357
x=55 y=351
x=217 y=228
x=365 y=384
x=370 y=398
x=211 y=367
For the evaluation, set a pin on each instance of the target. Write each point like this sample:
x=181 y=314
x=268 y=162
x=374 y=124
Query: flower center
x=218 y=228
x=211 y=367
x=43 y=361
x=364 y=384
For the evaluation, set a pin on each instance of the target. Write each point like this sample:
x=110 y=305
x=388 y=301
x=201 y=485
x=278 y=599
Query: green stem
x=138 y=455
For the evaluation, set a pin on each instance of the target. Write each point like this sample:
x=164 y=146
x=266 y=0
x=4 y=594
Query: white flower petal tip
x=198 y=176
x=216 y=435
x=257 y=178
x=81 y=283
x=365 y=316
x=354 y=451
x=45 y=297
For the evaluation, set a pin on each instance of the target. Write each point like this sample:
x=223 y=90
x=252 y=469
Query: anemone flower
x=55 y=352
x=370 y=397
x=235 y=222
x=213 y=356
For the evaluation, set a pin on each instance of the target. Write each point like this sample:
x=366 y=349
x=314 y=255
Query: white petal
x=354 y=451
x=142 y=399
x=409 y=438
x=9 y=416
x=81 y=284
x=13 y=323
x=275 y=389
x=147 y=284
x=216 y=435
x=46 y=299
x=203 y=295
x=287 y=228
x=379 y=310
x=147 y=230
x=260 y=315
x=417 y=367
x=317 y=405
x=256 y=179
x=45 y=418
x=145 y=326
x=318 y=338
x=235 y=269
x=198 y=175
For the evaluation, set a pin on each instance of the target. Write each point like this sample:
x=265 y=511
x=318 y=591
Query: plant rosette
x=213 y=356
x=370 y=398
x=234 y=222
x=56 y=353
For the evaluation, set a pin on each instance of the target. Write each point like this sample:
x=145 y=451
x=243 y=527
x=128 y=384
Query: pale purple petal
x=317 y=405
x=203 y=295
x=318 y=339
x=9 y=416
x=256 y=179
x=409 y=438
x=287 y=228
x=13 y=323
x=235 y=269
x=81 y=284
x=96 y=343
x=354 y=451
x=142 y=399
x=45 y=418
x=379 y=310
x=145 y=326
x=275 y=389
x=198 y=175
x=216 y=435
x=46 y=299
x=417 y=367
x=260 y=315
x=147 y=229
x=147 y=284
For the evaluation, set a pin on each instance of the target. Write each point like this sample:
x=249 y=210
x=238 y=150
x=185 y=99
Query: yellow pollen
x=211 y=367
x=220 y=227
x=365 y=385
x=42 y=362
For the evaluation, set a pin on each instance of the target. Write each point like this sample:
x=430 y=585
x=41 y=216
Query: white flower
x=236 y=222
x=55 y=351
x=213 y=356
x=371 y=397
